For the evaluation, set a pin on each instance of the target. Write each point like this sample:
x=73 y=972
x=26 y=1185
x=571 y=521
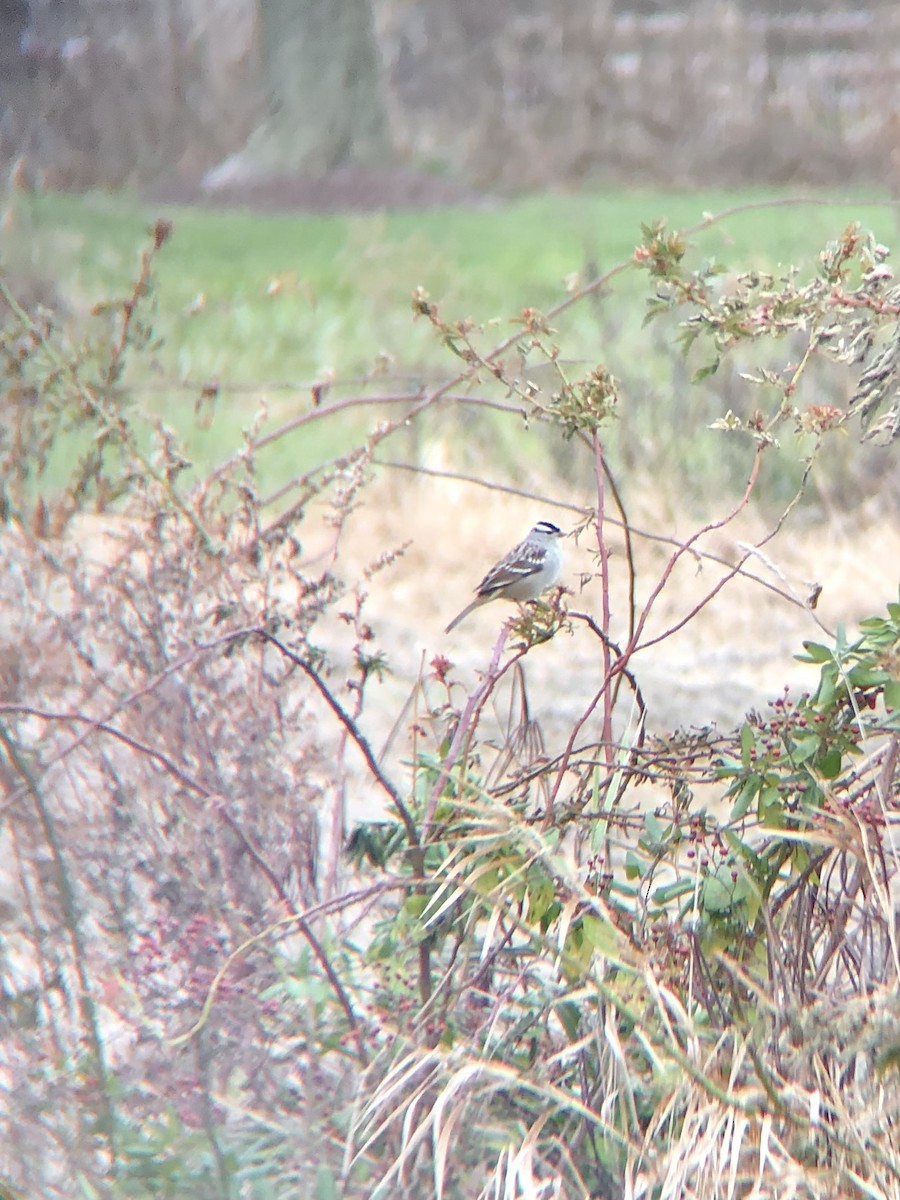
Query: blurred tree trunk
x=323 y=74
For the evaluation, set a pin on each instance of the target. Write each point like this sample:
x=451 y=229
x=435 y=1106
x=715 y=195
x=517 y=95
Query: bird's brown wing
x=521 y=562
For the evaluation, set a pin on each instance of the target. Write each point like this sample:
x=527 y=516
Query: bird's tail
x=476 y=603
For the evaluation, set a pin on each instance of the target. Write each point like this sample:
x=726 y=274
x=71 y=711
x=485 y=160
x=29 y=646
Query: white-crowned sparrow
x=529 y=569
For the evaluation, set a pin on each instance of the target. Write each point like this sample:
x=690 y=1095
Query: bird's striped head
x=547 y=529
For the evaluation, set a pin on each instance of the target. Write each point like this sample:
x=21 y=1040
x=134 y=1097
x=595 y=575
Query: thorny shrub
x=524 y=980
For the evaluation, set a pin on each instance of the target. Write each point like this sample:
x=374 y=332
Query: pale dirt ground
x=736 y=654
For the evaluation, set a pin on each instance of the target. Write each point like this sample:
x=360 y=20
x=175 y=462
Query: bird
x=529 y=569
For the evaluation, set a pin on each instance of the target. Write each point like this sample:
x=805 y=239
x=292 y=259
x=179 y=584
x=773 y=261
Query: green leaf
x=541 y=898
x=827 y=688
x=728 y=767
x=599 y=831
x=806 y=747
x=753 y=901
x=877 y=627
x=380 y=949
x=601 y=935
x=578 y=952
x=486 y=881
x=654 y=309
x=744 y=799
x=746 y=852
x=815 y=653
x=628 y=891
x=657 y=834
x=892 y=694
x=653 y=827
x=830 y=763
x=415 y=904
x=634 y=866
x=867 y=677
x=717 y=897
x=570 y=1016
x=770 y=807
x=705 y=372
x=721 y=893
x=671 y=891
x=800 y=859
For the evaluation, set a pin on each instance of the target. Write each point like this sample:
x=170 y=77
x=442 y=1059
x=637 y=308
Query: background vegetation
x=225 y=95
x=620 y=960
x=254 y=309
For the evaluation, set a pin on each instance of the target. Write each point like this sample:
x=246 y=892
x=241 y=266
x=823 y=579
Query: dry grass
x=168 y=818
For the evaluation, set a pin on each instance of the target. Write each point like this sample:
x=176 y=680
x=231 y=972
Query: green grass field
x=342 y=283
x=264 y=304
